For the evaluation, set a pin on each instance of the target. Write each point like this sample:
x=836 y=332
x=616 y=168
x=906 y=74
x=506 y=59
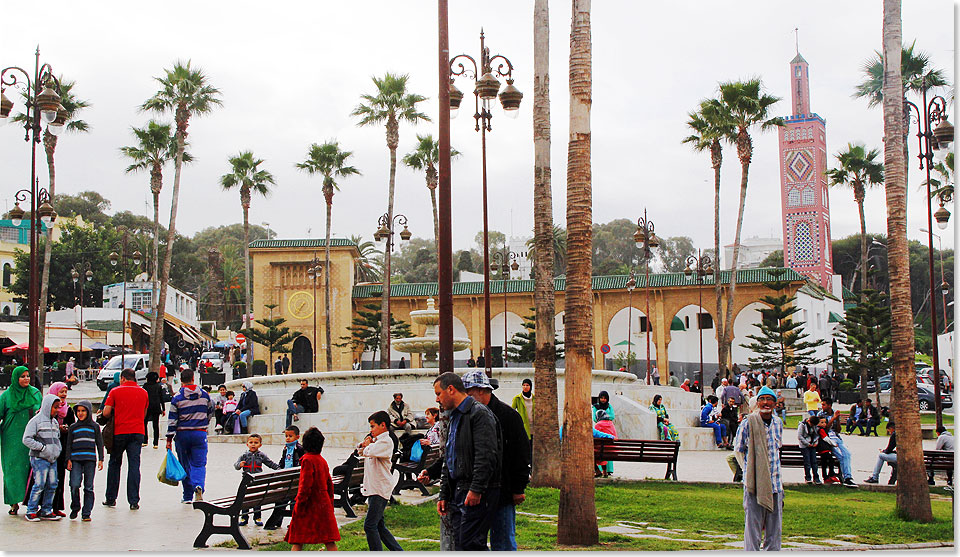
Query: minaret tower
x=804 y=197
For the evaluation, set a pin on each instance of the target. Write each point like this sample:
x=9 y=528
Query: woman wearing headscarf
x=248 y=405
x=155 y=407
x=65 y=418
x=110 y=386
x=668 y=431
x=17 y=405
x=603 y=403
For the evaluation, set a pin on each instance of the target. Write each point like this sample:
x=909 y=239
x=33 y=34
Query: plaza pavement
x=164 y=524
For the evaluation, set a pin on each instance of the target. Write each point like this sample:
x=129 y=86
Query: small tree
x=365 y=331
x=623 y=359
x=781 y=343
x=274 y=336
x=523 y=346
x=865 y=333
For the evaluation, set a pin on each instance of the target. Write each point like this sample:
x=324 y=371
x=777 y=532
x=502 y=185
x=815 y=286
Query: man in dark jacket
x=515 y=461
x=470 y=479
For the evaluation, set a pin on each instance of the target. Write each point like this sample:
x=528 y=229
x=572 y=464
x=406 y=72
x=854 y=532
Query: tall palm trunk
x=328 y=196
x=546 y=453
x=156 y=183
x=393 y=139
x=432 y=186
x=156 y=333
x=745 y=153
x=716 y=161
x=913 y=495
x=247 y=303
x=577 y=521
x=49 y=147
x=859 y=195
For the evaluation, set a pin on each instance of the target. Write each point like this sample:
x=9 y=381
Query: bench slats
x=639 y=450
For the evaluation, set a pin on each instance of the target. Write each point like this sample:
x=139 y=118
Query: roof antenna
x=796 y=31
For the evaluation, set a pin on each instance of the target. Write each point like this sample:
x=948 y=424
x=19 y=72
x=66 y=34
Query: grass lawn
x=675 y=516
x=925 y=418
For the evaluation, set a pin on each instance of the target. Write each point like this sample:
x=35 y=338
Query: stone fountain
x=429 y=343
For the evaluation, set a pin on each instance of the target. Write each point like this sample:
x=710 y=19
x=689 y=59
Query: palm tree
x=391 y=104
x=558 y=243
x=577 y=521
x=426 y=157
x=369 y=266
x=546 y=454
x=746 y=105
x=712 y=123
x=858 y=169
x=72 y=105
x=330 y=162
x=913 y=494
x=916 y=74
x=155 y=148
x=246 y=174
x=185 y=92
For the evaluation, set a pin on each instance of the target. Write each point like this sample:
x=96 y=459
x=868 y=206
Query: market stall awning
x=70 y=347
x=20 y=348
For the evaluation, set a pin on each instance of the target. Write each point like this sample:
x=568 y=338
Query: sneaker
x=73 y=514
x=144 y=444
x=156 y=447
x=848 y=482
x=109 y=504
x=33 y=517
x=134 y=507
x=198 y=494
x=871 y=481
x=817 y=481
x=296 y=418
x=271 y=527
x=187 y=502
x=258 y=522
x=51 y=516
x=86 y=519
x=61 y=514
x=809 y=482
x=244 y=522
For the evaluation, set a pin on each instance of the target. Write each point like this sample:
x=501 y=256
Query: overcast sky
x=291 y=72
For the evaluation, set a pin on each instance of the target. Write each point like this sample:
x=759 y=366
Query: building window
x=11 y=235
x=645 y=325
x=705 y=321
x=7 y=274
x=6 y=310
x=141 y=301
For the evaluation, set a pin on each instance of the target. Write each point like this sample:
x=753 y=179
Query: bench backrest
x=263 y=488
x=637 y=450
x=938 y=460
x=790 y=455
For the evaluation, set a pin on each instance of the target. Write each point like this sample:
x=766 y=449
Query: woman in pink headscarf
x=65 y=418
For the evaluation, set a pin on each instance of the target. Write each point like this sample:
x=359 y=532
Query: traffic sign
x=605 y=348
x=240 y=338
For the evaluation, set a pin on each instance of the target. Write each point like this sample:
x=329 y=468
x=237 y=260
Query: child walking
x=42 y=437
x=313 y=520
x=252 y=462
x=84 y=454
x=289 y=458
x=378 y=481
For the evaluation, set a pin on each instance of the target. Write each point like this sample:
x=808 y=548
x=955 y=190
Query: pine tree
x=365 y=331
x=274 y=336
x=523 y=346
x=781 y=343
x=865 y=333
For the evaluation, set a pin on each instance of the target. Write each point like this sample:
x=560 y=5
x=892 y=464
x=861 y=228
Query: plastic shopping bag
x=174 y=472
x=416 y=451
x=162 y=474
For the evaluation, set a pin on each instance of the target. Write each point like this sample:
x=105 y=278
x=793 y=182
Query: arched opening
x=514 y=325
x=745 y=323
x=7 y=274
x=634 y=322
x=301 y=360
x=6 y=310
x=685 y=352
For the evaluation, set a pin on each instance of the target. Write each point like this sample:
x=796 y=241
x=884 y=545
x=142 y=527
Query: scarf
x=288 y=455
x=21 y=398
x=757 y=470
x=600 y=405
x=399 y=408
x=55 y=391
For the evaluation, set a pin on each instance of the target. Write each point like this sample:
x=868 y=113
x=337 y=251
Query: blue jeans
x=243 y=418
x=82 y=476
x=503 y=528
x=44 y=485
x=842 y=453
x=192 y=453
x=125 y=443
x=293 y=408
x=374 y=527
x=883 y=457
x=809 y=463
x=719 y=430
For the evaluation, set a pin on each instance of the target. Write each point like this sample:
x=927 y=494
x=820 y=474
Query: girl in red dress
x=313 y=520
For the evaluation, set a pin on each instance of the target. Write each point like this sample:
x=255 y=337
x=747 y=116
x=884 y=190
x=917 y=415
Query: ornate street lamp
x=646 y=239
x=500 y=264
x=631 y=285
x=698 y=268
x=121 y=258
x=486 y=86
x=314 y=271
x=42 y=109
x=930 y=139
x=385 y=233
x=79 y=270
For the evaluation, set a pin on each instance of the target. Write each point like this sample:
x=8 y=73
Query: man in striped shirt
x=189 y=416
x=757 y=449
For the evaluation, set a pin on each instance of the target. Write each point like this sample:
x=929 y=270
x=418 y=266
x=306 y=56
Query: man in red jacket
x=127 y=403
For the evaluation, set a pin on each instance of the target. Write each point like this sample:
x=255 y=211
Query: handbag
x=416 y=452
x=106 y=432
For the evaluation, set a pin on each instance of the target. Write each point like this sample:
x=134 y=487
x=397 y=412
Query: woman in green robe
x=667 y=431
x=17 y=405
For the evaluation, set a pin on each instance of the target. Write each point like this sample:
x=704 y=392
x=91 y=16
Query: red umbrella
x=23 y=347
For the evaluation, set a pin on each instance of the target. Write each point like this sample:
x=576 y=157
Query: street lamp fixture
x=486 y=87
x=314 y=272
x=933 y=113
x=698 y=268
x=646 y=239
x=85 y=272
x=500 y=264
x=385 y=234
x=121 y=258
x=631 y=285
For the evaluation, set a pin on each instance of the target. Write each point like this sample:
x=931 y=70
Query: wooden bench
x=791 y=457
x=264 y=490
x=638 y=450
x=410 y=470
x=346 y=485
x=933 y=461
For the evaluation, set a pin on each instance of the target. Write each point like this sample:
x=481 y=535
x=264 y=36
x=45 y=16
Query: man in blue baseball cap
x=757 y=448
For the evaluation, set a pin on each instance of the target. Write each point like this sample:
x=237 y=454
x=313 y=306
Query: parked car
x=926 y=398
x=214 y=358
x=140 y=363
x=926 y=377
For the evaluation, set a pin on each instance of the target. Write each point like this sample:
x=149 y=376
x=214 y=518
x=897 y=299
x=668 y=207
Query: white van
x=140 y=363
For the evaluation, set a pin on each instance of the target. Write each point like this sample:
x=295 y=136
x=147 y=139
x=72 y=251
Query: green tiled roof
x=610 y=282
x=834 y=318
x=302 y=243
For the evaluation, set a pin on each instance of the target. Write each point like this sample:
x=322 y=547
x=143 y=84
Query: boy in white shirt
x=377 y=450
